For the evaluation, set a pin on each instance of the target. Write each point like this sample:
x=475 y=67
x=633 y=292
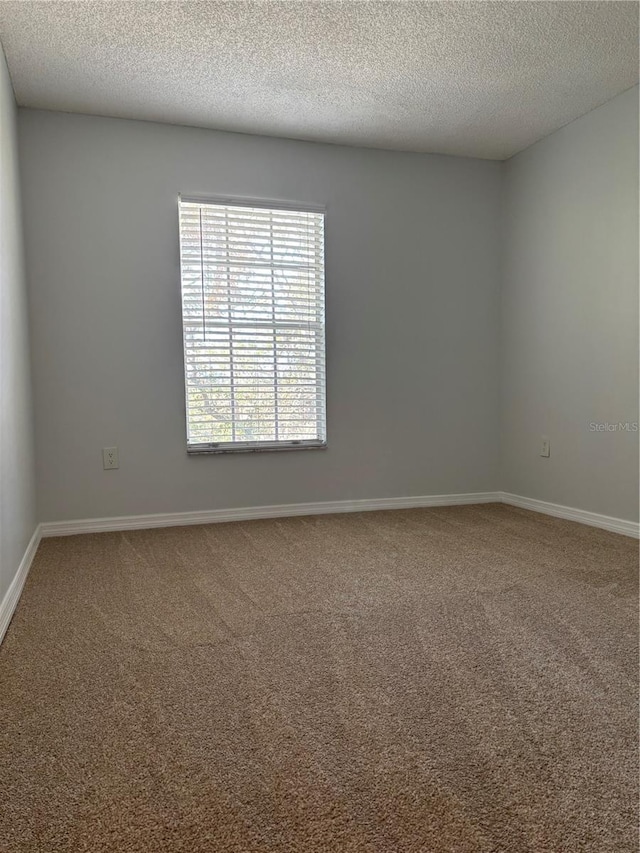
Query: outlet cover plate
x=110 y=458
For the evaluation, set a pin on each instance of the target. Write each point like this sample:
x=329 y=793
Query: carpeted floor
x=459 y=679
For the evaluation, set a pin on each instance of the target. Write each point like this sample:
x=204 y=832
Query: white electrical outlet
x=110 y=458
x=545 y=446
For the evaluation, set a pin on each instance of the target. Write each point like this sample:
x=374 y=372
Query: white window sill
x=258 y=447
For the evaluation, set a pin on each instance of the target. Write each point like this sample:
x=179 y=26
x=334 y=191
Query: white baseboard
x=593 y=519
x=12 y=595
x=141 y=522
x=177 y=519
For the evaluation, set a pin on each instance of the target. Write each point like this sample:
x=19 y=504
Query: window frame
x=206 y=448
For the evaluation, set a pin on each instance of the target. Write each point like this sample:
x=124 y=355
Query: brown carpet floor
x=458 y=679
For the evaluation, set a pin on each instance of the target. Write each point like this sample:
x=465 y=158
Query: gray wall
x=17 y=488
x=570 y=313
x=430 y=370
x=412 y=329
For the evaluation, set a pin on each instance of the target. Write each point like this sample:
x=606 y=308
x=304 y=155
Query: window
x=253 y=326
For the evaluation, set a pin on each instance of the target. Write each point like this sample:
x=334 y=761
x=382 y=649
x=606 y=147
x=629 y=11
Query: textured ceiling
x=481 y=79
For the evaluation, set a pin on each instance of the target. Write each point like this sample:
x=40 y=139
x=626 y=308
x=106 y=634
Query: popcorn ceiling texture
x=455 y=680
x=479 y=79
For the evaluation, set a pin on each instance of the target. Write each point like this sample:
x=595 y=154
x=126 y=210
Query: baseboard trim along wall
x=12 y=595
x=593 y=519
x=142 y=522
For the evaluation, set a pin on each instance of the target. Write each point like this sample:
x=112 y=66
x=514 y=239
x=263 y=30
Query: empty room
x=319 y=459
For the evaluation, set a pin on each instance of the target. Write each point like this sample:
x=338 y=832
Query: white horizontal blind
x=253 y=322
